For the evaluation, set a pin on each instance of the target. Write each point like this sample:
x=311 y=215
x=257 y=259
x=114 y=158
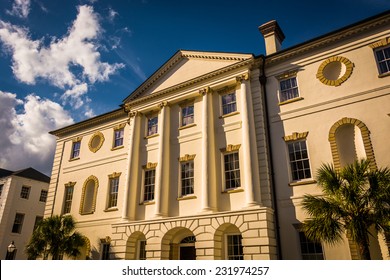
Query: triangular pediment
x=186 y=66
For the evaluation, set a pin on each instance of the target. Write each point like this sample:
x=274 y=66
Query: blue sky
x=65 y=61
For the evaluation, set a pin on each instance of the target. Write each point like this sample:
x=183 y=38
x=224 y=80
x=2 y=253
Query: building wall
x=10 y=204
x=363 y=97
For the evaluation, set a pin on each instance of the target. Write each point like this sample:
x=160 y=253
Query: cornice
x=119 y=113
x=191 y=82
x=175 y=60
x=327 y=39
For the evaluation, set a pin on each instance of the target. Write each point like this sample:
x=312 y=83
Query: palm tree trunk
x=364 y=249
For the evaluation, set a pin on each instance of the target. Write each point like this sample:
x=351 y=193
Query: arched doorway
x=136 y=247
x=178 y=244
x=187 y=248
x=228 y=237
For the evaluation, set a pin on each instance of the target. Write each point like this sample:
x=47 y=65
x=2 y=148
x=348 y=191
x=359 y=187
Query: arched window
x=89 y=194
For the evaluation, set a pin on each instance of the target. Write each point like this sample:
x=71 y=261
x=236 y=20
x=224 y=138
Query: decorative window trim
x=93 y=206
x=296 y=136
x=348 y=71
x=222 y=114
x=111 y=177
x=186 y=103
x=149 y=116
x=230 y=148
x=150 y=165
x=75 y=140
x=115 y=129
x=381 y=43
x=67 y=186
x=114 y=175
x=99 y=145
x=366 y=141
x=186 y=157
x=287 y=74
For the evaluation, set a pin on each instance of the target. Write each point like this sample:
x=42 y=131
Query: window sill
x=229 y=115
x=302 y=182
x=151 y=136
x=73 y=159
x=147 y=202
x=290 y=101
x=384 y=75
x=187 y=126
x=87 y=213
x=112 y=209
x=236 y=190
x=186 y=197
x=117 y=148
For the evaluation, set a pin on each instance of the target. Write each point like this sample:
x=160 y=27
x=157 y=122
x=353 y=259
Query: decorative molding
x=205 y=91
x=93 y=206
x=242 y=77
x=105 y=240
x=227 y=89
x=365 y=136
x=163 y=104
x=119 y=126
x=150 y=165
x=114 y=175
x=230 y=148
x=186 y=158
x=321 y=75
x=381 y=43
x=70 y=184
x=91 y=142
x=77 y=139
x=287 y=74
x=295 y=136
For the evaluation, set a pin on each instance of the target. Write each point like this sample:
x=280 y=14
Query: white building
x=328 y=101
x=23 y=196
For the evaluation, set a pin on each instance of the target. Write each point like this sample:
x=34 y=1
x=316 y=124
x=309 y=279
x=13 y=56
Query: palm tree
x=354 y=200
x=55 y=236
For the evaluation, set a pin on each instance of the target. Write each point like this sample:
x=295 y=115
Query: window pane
x=299 y=160
x=288 y=89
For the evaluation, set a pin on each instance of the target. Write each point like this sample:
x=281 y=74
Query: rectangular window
x=68 y=199
x=118 y=137
x=43 y=196
x=383 y=59
x=299 y=160
x=1 y=189
x=76 y=149
x=18 y=223
x=113 y=196
x=142 y=250
x=105 y=251
x=38 y=219
x=187 y=177
x=229 y=104
x=232 y=171
x=234 y=247
x=152 y=126
x=310 y=250
x=288 y=89
x=187 y=115
x=25 y=192
x=150 y=176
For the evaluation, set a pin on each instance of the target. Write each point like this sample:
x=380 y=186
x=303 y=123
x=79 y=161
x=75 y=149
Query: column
x=207 y=150
x=162 y=170
x=249 y=152
x=132 y=163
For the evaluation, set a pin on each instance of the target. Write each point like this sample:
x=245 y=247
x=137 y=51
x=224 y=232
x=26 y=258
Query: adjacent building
x=211 y=155
x=23 y=196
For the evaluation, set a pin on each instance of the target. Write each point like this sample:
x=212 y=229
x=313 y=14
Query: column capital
x=133 y=114
x=162 y=104
x=127 y=107
x=205 y=91
x=242 y=77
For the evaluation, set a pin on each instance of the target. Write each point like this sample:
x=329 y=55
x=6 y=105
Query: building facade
x=196 y=164
x=328 y=101
x=23 y=196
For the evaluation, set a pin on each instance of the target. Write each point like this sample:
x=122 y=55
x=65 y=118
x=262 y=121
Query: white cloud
x=68 y=63
x=25 y=140
x=112 y=14
x=20 y=8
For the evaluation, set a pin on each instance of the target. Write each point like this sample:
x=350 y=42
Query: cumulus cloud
x=25 y=124
x=20 y=8
x=70 y=63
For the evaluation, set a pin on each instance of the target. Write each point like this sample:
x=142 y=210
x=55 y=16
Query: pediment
x=185 y=66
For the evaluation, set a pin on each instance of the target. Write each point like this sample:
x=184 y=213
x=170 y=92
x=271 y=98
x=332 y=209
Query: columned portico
x=249 y=150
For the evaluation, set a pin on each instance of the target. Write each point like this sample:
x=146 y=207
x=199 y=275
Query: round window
x=335 y=70
x=96 y=142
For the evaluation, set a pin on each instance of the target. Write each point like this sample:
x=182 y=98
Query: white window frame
x=312 y=255
x=75 y=153
x=121 y=132
x=67 y=200
x=151 y=132
x=192 y=179
x=225 y=188
x=302 y=160
x=18 y=223
x=227 y=256
x=289 y=93
x=139 y=249
x=183 y=116
x=228 y=105
x=113 y=192
x=25 y=192
x=144 y=185
x=43 y=195
x=386 y=60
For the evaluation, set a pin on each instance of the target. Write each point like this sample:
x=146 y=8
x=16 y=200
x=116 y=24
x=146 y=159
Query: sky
x=62 y=62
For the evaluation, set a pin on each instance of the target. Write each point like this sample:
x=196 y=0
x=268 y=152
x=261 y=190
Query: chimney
x=273 y=36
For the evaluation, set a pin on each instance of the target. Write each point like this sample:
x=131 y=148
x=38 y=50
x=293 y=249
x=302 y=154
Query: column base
x=208 y=210
x=253 y=205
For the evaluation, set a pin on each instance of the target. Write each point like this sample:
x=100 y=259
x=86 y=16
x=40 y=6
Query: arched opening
x=228 y=243
x=350 y=140
x=178 y=244
x=136 y=247
x=88 y=200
